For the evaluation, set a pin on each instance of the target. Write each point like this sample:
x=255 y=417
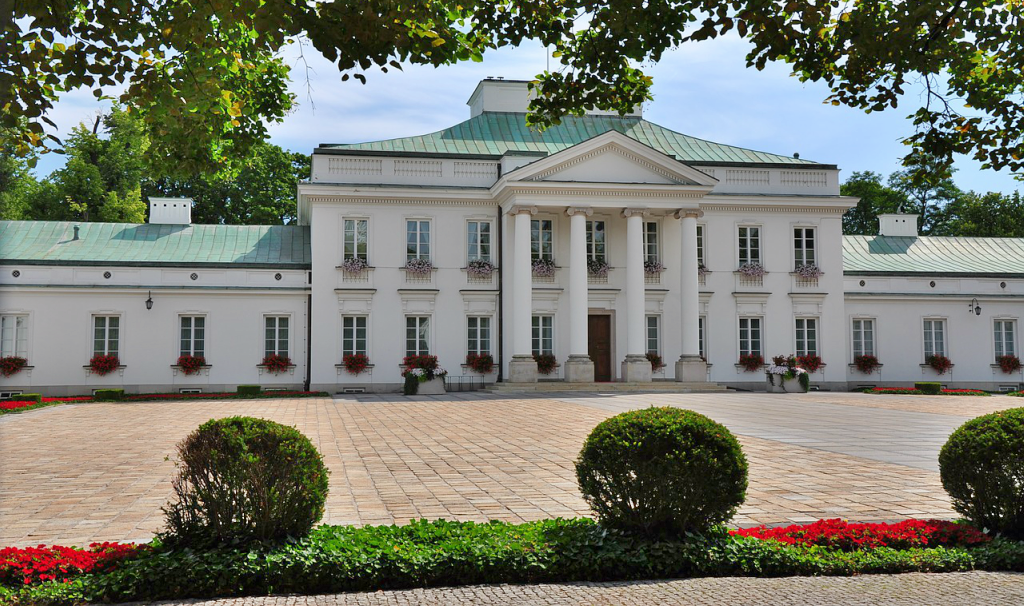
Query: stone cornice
x=417 y=200
x=771 y=208
x=611 y=147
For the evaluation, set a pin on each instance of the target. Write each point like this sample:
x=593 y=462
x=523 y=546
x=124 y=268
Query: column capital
x=635 y=212
x=696 y=213
x=515 y=210
x=579 y=210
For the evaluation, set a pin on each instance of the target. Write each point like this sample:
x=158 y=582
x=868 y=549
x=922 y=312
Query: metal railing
x=463 y=383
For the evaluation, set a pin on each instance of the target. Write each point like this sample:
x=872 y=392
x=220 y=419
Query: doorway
x=599 y=332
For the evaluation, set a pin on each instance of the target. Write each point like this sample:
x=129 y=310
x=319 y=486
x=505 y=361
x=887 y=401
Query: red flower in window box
x=481 y=363
x=276 y=364
x=12 y=365
x=809 y=363
x=425 y=362
x=191 y=365
x=941 y=364
x=355 y=363
x=866 y=364
x=1009 y=364
x=546 y=363
x=751 y=362
x=103 y=365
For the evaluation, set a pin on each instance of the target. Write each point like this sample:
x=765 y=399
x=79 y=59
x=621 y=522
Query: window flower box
x=481 y=363
x=543 y=268
x=940 y=364
x=12 y=365
x=276 y=364
x=101 y=365
x=191 y=365
x=355 y=364
x=866 y=364
x=1008 y=364
x=750 y=362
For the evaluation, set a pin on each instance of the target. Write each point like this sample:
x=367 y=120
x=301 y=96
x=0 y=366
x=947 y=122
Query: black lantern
x=974 y=306
x=149 y=301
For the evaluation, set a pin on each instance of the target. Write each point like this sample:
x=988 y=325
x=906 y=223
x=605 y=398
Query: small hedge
x=982 y=469
x=662 y=472
x=928 y=388
x=26 y=397
x=249 y=390
x=108 y=395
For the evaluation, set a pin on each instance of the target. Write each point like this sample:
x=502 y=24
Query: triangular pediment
x=611 y=158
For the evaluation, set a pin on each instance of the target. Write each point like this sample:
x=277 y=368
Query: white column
x=522 y=368
x=690 y=367
x=579 y=368
x=636 y=366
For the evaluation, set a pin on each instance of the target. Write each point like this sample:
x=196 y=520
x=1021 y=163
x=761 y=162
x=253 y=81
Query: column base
x=691 y=369
x=522 y=369
x=636 y=368
x=579 y=369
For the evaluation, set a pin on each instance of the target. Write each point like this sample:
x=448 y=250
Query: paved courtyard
x=77 y=473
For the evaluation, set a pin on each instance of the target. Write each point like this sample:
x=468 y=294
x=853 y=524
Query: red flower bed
x=35 y=564
x=16 y=404
x=69 y=399
x=915 y=392
x=840 y=534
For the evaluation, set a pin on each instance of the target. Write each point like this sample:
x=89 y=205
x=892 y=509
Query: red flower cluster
x=191 y=365
x=809 y=363
x=355 y=363
x=1008 y=364
x=866 y=364
x=16 y=404
x=424 y=362
x=276 y=364
x=69 y=399
x=840 y=534
x=12 y=365
x=36 y=564
x=481 y=363
x=940 y=364
x=751 y=362
x=104 y=365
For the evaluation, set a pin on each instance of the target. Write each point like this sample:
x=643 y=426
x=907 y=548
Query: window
x=700 y=246
x=417 y=335
x=275 y=337
x=355 y=239
x=806 y=336
x=863 y=337
x=749 y=245
x=541 y=239
x=479 y=335
x=106 y=335
x=596 y=241
x=417 y=238
x=701 y=341
x=193 y=336
x=653 y=344
x=543 y=335
x=803 y=246
x=353 y=335
x=651 y=241
x=479 y=235
x=1004 y=333
x=934 y=338
x=750 y=336
x=14 y=336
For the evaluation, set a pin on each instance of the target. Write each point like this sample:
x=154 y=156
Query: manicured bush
x=249 y=390
x=108 y=395
x=928 y=388
x=982 y=467
x=26 y=397
x=241 y=480
x=662 y=472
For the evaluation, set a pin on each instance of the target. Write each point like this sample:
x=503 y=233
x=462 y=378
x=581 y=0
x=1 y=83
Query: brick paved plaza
x=77 y=473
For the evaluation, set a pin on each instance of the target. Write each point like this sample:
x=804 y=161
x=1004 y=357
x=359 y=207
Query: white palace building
x=609 y=236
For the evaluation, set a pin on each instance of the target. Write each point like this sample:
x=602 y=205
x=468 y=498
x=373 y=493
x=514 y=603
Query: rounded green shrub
x=928 y=387
x=242 y=480
x=662 y=472
x=982 y=469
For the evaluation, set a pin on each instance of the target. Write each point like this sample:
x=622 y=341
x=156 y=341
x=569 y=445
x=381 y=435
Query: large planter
x=773 y=383
x=792 y=385
x=433 y=387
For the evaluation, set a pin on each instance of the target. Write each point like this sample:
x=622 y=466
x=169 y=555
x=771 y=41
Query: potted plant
x=276 y=363
x=810 y=363
x=12 y=365
x=702 y=270
x=752 y=270
x=355 y=363
x=103 y=364
x=481 y=363
x=653 y=266
x=191 y=365
x=808 y=271
x=655 y=360
x=786 y=375
x=546 y=363
x=940 y=364
x=1009 y=364
x=354 y=265
x=751 y=362
x=597 y=267
x=544 y=268
x=480 y=268
x=866 y=364
x=423 y=376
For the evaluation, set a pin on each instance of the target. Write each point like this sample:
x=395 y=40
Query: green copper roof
x=52 y=242
x=496 y=133
x=933 y=255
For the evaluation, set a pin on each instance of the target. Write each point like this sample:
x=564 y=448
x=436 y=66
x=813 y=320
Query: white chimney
x=170 y=211
x=898 y=225
x=513 y=96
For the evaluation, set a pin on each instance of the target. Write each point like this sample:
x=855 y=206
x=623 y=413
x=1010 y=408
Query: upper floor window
x=355 y=239
x=596 y=241
x=353 y=335
x=106 y=335
x=806 y=336
x=651 y=241
x=193 y=336
x=479 y=335
x=863 y=337
x=749 y=244
x=417 y=335
x=417 y=238
x=700 y=246
x=750 y=337
x=275 y=336
x=541 y=239
x=479 y=240
x=803 y=246
x=543 y=335
x=14 y=336
x=934 y=338
x=1004 y=337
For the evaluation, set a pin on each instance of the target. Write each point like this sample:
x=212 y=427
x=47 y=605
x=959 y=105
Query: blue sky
x=703 y=90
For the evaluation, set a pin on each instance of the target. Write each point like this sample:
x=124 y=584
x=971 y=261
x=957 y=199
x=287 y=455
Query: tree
x=208 y=77
x=928 y=187
x=991 y=215
x=875 y=199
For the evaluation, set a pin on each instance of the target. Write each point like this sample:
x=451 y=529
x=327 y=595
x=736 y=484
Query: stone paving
x=100 y=471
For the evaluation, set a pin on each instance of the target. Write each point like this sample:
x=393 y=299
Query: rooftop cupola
x=513 y=96
x=170 y=211
x=898 y=225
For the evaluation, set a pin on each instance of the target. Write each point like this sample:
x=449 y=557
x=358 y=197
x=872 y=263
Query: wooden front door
x=600 y=346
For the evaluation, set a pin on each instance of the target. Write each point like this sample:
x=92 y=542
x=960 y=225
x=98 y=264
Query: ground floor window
x=806 y=336
x=275 y=336
x=543 y=335
x=653 y=342
x=14 y=336
x=934 y=338
x=417 y=335
x=353 y=335
x=701 y=341
x=478 y=335
x=1004 y=338
x=750 y=337
x=863 y=337
x=106 y=335
x=193 y=336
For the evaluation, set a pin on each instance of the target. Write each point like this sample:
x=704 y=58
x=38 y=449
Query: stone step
x=558 y=386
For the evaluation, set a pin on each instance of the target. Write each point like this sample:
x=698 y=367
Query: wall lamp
x=974 y=306
x=149 y=301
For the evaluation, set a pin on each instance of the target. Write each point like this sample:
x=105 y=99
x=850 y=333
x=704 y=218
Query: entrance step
x=562 y=386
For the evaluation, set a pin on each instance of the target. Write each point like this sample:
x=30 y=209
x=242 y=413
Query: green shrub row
x=928 y=388
x=26 y=397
